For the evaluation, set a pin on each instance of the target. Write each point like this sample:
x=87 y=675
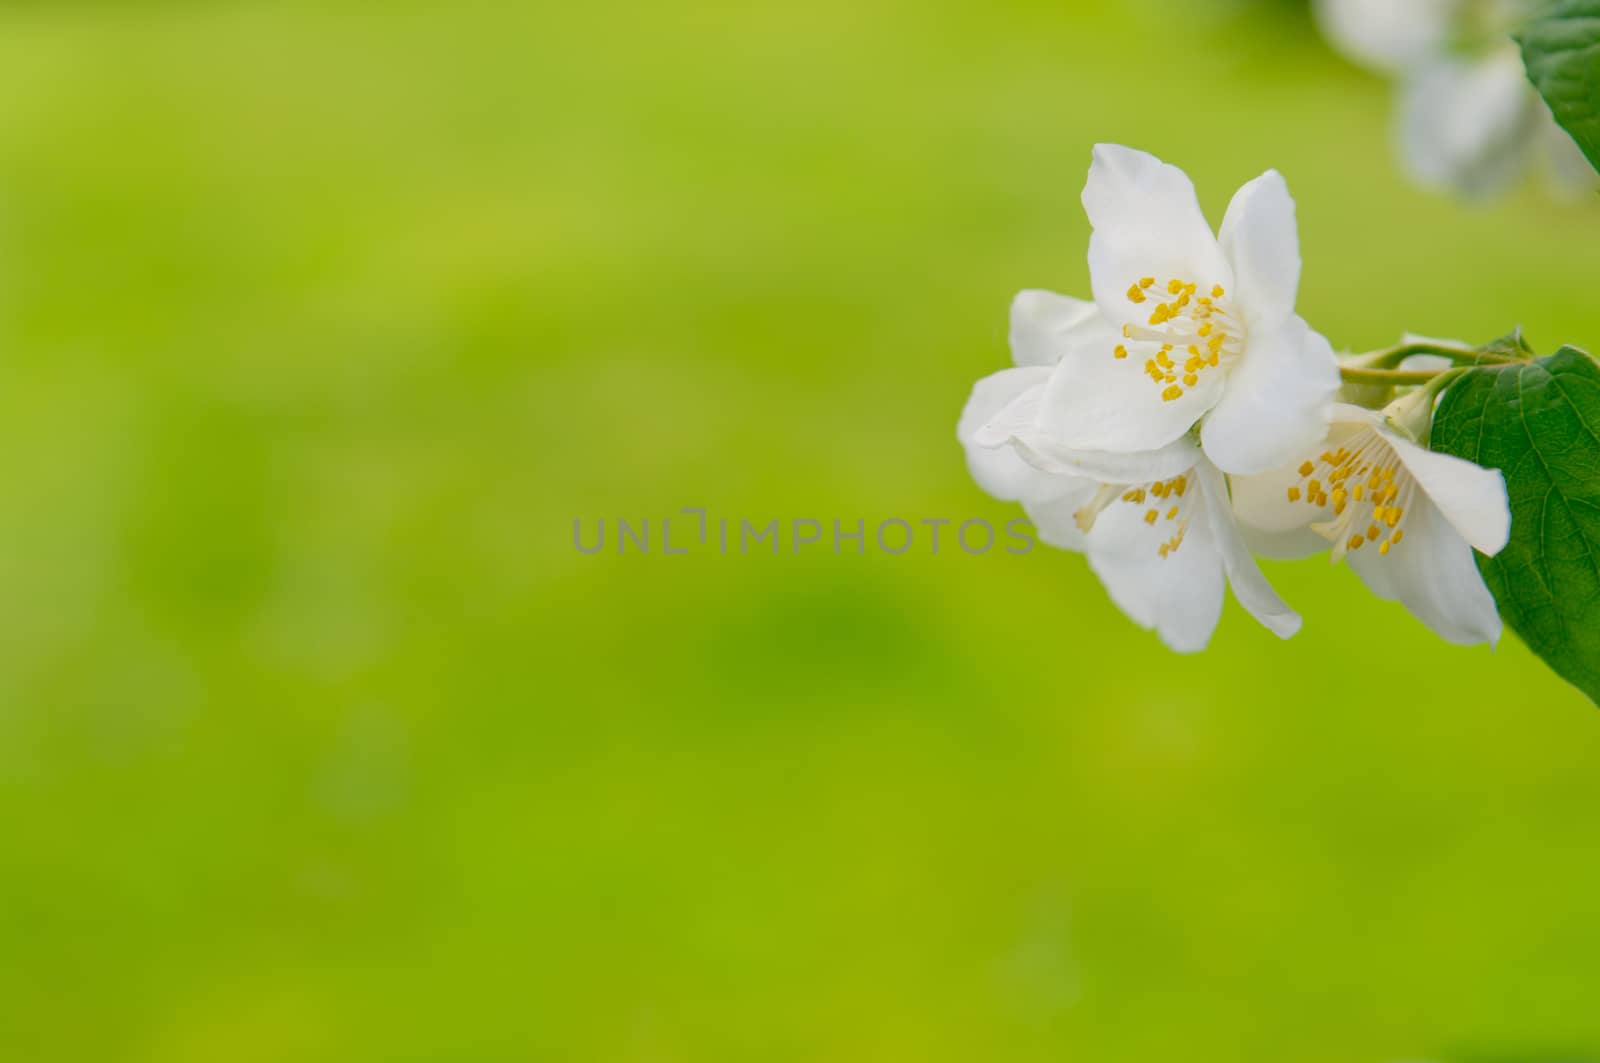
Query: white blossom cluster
x=1186 y=417
x=1468 y=118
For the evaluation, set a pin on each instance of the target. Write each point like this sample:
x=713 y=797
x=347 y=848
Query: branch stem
x=1389 y=357
x=1394 y=377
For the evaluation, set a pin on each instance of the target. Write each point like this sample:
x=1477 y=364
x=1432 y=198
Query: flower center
x=1199 y=325
x=1368 y=488
x=1161 y=501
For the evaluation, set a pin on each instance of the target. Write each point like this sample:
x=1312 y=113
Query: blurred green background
x=320 y=324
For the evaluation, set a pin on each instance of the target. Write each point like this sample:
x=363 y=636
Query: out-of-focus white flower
x=1469 y=123
x=1405 y=518
x=1156 y=525
x=1389 y=36
x=1468 y=118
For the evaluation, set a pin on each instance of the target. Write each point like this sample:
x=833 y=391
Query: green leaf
x=1511 y=345
x=1539 y=424
x=1561 y=49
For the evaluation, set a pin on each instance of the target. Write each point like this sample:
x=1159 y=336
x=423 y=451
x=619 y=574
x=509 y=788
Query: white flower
x=1468 y=117
x=1474 y=123
x=1191 y=327
x=1405 y=518
x=1389 y=35
x=1156 y=526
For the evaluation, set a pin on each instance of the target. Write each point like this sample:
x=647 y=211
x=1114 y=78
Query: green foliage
x=1539 y=424
x=1561 y=49
x=1512 y=345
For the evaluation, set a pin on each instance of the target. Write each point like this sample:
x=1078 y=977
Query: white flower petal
x=1040 y=322
x=1250 y=587
x=1290 y=545
x=997 y=467
x=1424 y=363
x=1442 y=341
x=1055 y=521
x=1273 y=526
x=1023 y=392
x=1471 y=498
x=1276 y=405
x=1147 y=222
x=1261 y=501
x=1097 y=401
x=1114 y=467
x=1262 y=243
x=1469 y=124
x=1179 y=596
x=1347 y=416
x=1433 y=574
x=1386 y=35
